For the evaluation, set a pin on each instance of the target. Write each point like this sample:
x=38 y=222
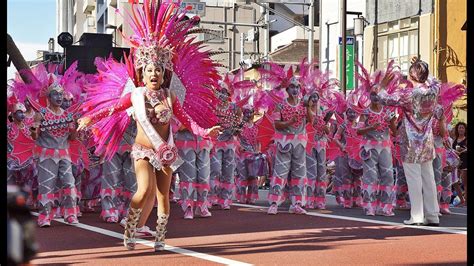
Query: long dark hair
x=456 y=132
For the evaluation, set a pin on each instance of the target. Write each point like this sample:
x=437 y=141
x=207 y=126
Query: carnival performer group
x=113 y=140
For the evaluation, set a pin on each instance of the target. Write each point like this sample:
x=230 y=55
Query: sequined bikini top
x=160 y=113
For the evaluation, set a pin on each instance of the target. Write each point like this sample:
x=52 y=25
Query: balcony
x=112 y=3
x=88 y=7
x=111 y=16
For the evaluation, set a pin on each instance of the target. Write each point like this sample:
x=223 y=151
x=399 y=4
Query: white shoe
x=144 y=231
x=296 y=209
x=123 y=222
x=411 y=222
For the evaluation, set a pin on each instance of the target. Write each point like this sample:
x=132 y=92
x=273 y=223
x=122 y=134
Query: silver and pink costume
x=21 y=167
x=377 y=178
x=316 y=165
x=348 y=173
x=251 y=164
x=119 y=182
x=54 y=162
x=195 y=170
x=442 y=178
x=223 y=159
x=289 y=166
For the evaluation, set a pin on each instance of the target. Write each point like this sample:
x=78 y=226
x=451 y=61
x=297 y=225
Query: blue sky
x=31 y=23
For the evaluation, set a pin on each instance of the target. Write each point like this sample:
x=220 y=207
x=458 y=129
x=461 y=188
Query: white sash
x=138 y=102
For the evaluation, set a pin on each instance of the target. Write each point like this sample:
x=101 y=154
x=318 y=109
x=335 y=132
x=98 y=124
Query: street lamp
x=359 y=24
x=51 y=45
x=65 y=39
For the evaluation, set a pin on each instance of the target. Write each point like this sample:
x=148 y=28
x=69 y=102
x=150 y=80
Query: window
x=272 y=6
x=398 y=41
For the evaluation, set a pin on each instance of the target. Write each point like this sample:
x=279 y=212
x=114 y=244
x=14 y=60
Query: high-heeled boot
x=161 y=231
x=131 y=228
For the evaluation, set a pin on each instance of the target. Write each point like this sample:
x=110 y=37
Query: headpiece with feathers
x=161 y=34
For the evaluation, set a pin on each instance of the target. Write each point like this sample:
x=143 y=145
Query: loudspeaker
x=96 y=39
x=86 y=56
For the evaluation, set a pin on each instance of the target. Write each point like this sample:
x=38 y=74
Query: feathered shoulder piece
x=104 y=91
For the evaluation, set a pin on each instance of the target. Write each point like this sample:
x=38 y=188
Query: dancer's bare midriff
x=142 y=138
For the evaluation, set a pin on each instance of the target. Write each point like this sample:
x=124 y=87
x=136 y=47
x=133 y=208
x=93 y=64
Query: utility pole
x=19 y=61
x=311 y=33
x=242 y=43
x=320 y=30
x=343 y=20
x=234 y=29
x=267 y=31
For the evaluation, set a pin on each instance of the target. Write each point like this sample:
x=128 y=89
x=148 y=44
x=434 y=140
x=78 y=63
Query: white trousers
x=422 y=192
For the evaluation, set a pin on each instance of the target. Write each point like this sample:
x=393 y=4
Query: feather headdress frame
x=151 y=25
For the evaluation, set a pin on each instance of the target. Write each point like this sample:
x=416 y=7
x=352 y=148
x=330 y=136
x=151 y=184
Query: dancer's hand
x=292 y=120
x=341 y=147
x=214 y=131
x=375 y=125
x=83 y=123
x=386 y=79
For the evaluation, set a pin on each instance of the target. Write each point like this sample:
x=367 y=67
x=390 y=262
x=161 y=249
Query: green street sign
x=349 y=62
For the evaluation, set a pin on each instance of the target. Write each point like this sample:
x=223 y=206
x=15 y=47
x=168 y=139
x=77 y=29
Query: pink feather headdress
x=12 y=102
x=448 y=94
x=161 y=34
x=239 y=90
x=359 y=98
x=48 y=78
x=276 y=76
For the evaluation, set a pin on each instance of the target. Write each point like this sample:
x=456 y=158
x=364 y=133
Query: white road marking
x=148 y=243
x=451 y=208
x=332 y=216
x=456 y=213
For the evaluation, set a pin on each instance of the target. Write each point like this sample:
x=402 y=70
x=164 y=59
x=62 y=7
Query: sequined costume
x=377 y=179
x=223 y=160
x=290 y=158
x=194 y=173
x=417 y=148
x=349 y=166
x=161 y=40
x=251 y=164
x=118 y=183
x=316 y=164
x=442 y=177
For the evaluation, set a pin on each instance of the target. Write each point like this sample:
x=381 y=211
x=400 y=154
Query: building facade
x=248 y=36
x=428 y=29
